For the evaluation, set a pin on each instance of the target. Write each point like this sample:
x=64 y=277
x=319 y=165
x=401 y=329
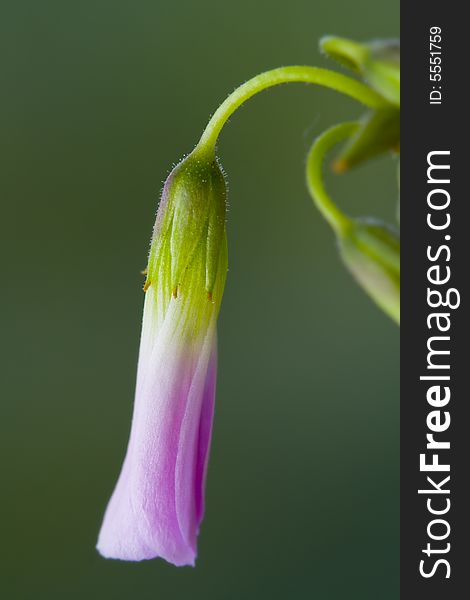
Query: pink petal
x=157 y=505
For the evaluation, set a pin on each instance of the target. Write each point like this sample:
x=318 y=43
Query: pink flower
x=158 y=503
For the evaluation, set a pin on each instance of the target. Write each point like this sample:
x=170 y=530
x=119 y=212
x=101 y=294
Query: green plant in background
x=158 y=503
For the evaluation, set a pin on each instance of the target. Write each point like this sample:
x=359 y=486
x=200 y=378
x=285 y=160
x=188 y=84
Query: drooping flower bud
x=378 y=62
x=371 y=251
x=158 y=503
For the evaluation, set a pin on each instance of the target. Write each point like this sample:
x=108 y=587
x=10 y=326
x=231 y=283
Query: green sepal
x=348 y=53
x=190 y=220
x=378 y=132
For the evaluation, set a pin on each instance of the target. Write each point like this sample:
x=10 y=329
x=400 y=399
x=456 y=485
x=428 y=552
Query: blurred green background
x=98 y=99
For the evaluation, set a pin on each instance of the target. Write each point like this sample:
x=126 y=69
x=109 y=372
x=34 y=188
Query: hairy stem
x=295 y=74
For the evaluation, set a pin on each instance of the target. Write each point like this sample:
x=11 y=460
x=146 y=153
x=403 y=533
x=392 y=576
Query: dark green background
x=98 y=99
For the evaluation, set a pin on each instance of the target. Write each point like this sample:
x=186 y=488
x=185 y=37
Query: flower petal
x=155 y=510
x=194 y=441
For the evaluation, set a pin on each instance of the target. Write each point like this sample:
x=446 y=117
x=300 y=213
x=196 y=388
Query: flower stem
x=295 y=74
x=316 y=156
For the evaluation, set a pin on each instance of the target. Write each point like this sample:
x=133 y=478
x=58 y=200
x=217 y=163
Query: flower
x=158 y=502
x=371 y=251
x=378 y=62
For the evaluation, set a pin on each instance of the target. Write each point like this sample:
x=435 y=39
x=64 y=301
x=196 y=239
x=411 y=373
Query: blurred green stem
x=321 y=146
x=294 y=74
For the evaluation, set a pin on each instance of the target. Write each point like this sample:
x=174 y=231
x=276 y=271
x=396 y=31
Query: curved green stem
x=321 y=146
x=299 y=74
